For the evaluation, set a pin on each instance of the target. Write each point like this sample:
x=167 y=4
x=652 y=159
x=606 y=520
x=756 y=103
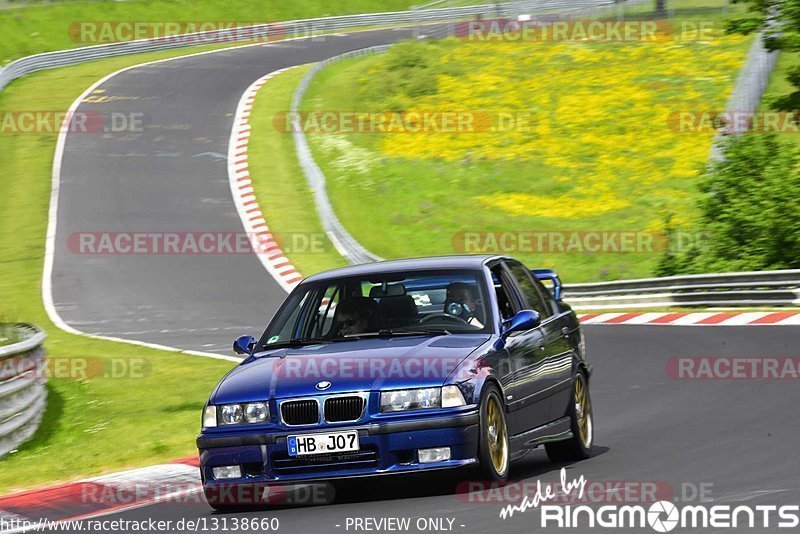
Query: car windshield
x=386 y=304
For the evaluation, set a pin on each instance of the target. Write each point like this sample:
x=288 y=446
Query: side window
x=531 y=294
x=505 y=295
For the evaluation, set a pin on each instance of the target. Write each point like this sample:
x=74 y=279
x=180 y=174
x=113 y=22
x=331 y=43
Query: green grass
x=281 y=188
x=91 y=425
x=8 y=335
x=407 y=195
x=44 y=28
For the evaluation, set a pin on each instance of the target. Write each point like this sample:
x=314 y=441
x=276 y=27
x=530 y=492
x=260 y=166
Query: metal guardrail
x=275 y=31
x=751 y=83
x=747 y=289
x=23 y=396
x=345 y=243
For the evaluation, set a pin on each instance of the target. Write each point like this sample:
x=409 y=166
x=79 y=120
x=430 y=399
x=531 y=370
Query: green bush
x=749 y=211
x=406 y=73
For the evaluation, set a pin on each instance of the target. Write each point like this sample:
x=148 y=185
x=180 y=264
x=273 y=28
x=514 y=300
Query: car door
x=556 y=369
x=526 y=353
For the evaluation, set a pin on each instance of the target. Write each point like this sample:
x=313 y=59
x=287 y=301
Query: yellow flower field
x=593 y=144
x=595 y=115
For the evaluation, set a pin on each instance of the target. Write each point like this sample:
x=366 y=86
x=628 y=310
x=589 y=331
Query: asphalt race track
x=737 y=438
x=172 y=177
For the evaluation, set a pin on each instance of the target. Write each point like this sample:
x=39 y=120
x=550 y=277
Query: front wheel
x=579 y=446
x=493 y=450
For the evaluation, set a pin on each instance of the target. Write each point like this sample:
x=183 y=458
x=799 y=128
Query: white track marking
x=645 y=318
x=603 y=318
x=52 y=223
x=794 y=320
x=744 y=318
x=692 y=318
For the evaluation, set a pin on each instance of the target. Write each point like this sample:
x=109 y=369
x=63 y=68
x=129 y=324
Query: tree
x=781 y=21
x=749 y=210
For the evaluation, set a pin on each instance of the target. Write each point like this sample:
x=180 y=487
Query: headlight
x=236 y=414
x=411 y=399
x=256 y=412
x=232 y=414
x=210 y=417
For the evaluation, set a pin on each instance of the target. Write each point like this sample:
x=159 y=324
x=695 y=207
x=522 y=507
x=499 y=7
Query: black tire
x=579 y=446
x=493 y=444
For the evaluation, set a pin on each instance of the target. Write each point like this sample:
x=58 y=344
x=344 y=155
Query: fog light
x=440 y=454
x=227 y=471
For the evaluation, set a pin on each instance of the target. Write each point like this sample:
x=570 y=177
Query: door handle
x=565 y=330
x=540 y=344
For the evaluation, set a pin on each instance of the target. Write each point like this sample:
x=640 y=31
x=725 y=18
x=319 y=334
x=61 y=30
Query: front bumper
x=385 y=448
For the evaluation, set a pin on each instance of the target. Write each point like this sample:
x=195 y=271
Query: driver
x=353 y=316
x=462 y=302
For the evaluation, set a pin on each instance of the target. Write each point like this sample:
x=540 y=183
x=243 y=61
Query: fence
x=751 y=83
x=23 y=396
x=748 y=289
x=262 y=32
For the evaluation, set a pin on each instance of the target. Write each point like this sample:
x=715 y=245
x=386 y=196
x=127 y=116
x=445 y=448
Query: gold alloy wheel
x=496 y=435
x=583 y=413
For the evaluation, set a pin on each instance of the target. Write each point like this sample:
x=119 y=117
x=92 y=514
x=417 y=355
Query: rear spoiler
x=547 y=275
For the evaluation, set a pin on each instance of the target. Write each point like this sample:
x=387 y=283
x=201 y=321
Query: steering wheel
x=442 y=315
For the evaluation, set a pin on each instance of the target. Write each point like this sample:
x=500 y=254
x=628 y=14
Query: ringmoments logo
x=660 y=516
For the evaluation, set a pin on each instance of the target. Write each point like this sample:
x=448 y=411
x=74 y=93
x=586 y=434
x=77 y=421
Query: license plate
x=323 y=443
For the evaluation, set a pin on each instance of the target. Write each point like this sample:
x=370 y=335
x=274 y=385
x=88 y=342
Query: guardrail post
x=23 y=395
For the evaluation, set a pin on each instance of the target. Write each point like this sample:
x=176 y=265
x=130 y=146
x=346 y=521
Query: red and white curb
x=177 y=481
x=263 y=242
x=787 y=318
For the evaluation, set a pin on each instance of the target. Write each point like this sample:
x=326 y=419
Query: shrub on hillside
x=407 y=71
x=749 y=210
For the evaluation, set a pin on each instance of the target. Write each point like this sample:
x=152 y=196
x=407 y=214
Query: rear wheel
x=493 y=450
x=579 y=446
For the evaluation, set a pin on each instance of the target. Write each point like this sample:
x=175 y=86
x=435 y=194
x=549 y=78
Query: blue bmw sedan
x=400 y=367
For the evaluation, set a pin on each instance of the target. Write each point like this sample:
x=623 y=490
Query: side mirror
x=244 y=345
x=523 y=320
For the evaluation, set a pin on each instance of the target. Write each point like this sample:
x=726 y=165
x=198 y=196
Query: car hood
x=358 y=365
